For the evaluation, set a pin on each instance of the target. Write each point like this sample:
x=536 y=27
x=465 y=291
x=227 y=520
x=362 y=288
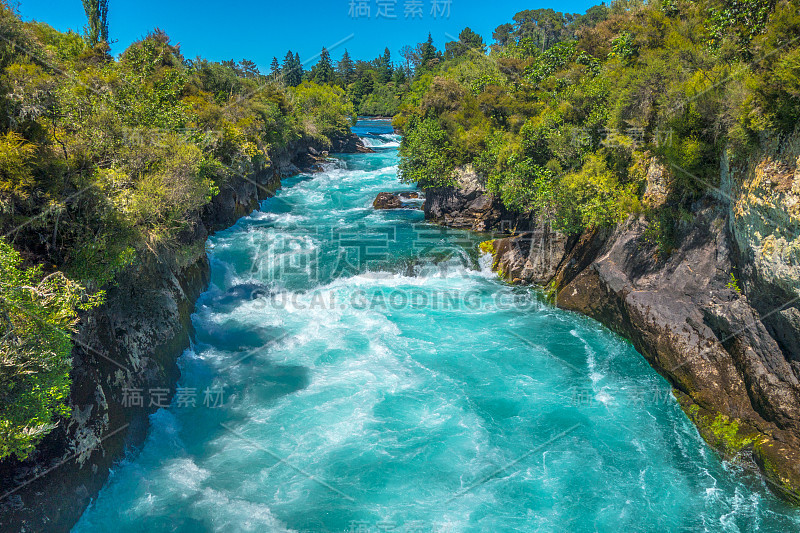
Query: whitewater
x=361 y=370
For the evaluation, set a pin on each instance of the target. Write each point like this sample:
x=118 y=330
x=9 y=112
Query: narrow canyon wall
x=717 y=317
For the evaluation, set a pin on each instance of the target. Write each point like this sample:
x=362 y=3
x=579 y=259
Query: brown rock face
x=732 y=356
x=397 y=200
x=533 y=256
x=701 y=334
x=387 y=200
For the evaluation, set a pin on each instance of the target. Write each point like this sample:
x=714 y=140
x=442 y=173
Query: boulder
x=387 y=200
x=398 y=200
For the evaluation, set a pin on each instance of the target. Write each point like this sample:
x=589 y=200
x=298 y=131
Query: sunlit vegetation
x=564 y=112
x=108 y=162
x=375 y=87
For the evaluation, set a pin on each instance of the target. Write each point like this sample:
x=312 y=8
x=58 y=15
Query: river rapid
x=362 y=370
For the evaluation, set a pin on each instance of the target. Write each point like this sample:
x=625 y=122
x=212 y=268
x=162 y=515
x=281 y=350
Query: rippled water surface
x=374 y=376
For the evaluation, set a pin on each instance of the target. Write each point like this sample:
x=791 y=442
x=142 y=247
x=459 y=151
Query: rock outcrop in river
x=397 y=200
x=717 y=316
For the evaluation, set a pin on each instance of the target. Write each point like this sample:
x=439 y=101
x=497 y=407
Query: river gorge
x=355 y=369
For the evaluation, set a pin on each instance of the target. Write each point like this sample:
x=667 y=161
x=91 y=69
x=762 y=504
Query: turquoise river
x=358 y=370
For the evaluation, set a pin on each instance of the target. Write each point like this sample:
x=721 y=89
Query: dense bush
x=427 y=156
x=105 y=162
x=563 y=110
x=38 y=315
x=327 y=109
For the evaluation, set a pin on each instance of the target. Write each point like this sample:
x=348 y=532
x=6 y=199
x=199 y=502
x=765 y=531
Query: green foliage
x=427 y=156
x=728 y=436
x=624 y=47
x=542 y=28
x=740 y=20
x=292 y=70
x=97 y=17
x=469 y=43
x=323 y=71
x=593 y=197
x=66 y=47
x=106 y=163
x=346 y=69
x=16 y=170
x=377 y=87
x=733 y=284
x=383 y=101
x=660 y=233
x=38 y=315
x=328 y=111
x=556 y=116
x=550 y=61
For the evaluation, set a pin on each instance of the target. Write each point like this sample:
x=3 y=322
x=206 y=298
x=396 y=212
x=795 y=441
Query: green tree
x=299 y=67
x=328 y=107
x=503 y=34
x=292 y=75
x=468 y=41
x=428 y=54
x=249 y=69
x=322 y=72
x=274 y=68
x=427 y=157
x=346 y=69
x=97 y=16
x=399 y=76
x=542 y=27
x=385 y=69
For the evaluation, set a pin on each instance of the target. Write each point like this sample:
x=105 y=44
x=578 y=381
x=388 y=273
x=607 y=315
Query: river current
x=361 y=370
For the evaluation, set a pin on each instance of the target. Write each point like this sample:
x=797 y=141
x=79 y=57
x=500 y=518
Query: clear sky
x=259 y=30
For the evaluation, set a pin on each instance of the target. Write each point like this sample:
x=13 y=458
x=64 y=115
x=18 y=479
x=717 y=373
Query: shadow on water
x=226 y=301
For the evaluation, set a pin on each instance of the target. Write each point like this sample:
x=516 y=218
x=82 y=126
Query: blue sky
x=259 y=30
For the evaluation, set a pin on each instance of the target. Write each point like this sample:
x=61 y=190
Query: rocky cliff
x=133 y=343
x=717 y=316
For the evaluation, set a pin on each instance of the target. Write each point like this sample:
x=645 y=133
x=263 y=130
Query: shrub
x=38 y=315
x=427 y=155
x=329 y=110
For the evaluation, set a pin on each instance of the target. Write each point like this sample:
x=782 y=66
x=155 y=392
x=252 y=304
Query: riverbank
x=129 y=347
x=713 y=317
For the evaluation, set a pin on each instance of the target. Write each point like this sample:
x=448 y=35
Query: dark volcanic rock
x=350 y=144
x=387 y=200
x=468 y=205
x=397 y=200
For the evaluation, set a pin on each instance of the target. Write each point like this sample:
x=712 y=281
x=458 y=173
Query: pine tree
x=299 y=67
x=97 y=15
x=274 y=69
x=323 y=71
x=346 y=69
x=385 y=71
x=291 y=74
x=249 y=69
x=428 y=53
